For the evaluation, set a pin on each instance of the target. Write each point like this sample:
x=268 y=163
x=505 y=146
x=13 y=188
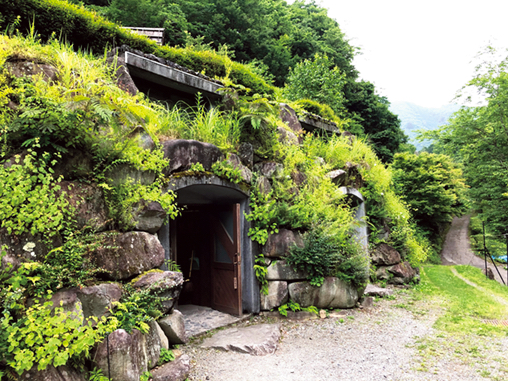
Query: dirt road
x=457 y=248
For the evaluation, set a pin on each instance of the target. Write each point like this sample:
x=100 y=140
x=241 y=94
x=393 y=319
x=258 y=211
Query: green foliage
x=124 y=199
x=97 y=375
x=45 y=337
x=431 y=185
x=136 y=308
x=295 y=307
x=262 y=216
x=317 y=79
x=66 y=266
x=155 y=13
x=200 y=123
x=88 y=30
x=369 y=115
x=146 y=376
x=166 y=355
x=226 y=170
x=316 y=108
x=260 y=269
x=31 y=201
x=322 y=255
x=476 y=137
x=197 y=167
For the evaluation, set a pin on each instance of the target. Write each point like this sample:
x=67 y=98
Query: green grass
x=465 y=306
x=461 y=338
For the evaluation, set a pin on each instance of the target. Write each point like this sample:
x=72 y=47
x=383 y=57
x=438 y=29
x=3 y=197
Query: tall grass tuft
x=203 y=124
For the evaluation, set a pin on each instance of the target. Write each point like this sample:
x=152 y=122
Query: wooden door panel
x=226 y=277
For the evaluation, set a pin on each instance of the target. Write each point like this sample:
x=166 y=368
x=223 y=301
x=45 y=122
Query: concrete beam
x=168 y=76
x=312 y=124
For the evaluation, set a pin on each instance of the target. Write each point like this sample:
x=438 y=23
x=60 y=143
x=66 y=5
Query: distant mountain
x=414 y=117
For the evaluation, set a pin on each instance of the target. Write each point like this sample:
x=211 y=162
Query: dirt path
x=457 y=248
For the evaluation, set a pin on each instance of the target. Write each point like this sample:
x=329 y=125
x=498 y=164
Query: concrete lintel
x=168 y=76
x=352 y=191
x=311 y=124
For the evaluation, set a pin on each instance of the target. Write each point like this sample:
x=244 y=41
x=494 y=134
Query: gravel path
x=394 y=340
x=457 y=248
x=385 y=342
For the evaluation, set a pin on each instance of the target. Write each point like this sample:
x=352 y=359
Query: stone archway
x=212 y=234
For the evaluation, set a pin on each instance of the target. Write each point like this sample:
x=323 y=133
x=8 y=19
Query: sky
x=419 y=51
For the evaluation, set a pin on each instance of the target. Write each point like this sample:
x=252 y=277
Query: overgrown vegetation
x=79 y=108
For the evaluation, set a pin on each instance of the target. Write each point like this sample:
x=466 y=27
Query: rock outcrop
x=124 y=255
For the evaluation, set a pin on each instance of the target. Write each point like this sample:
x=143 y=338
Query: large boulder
x=280 y=270
x=334 y=293
x=174 y=327
x=236 y=163
x=287 y=137
x=88 y=202
x=269 y=169
x=68 y=300
x=126 y=174
x=162 y=336
x=257 y=340
x=277 y=295
x=153 y=345
x=98 y=300
x=61 y=373
x=246 y=154
x=166 y=285
x=124 y=255
x=288 y=116
x=278 y=244
x=148 y=216
x=402 y=273
x=126 y=354
x=76 y=164
x=122 y=75
x=177 y=370
x=28 y=246
x=385 y=255
x=263 y=185
x=338 y=177
x=9 y=263
x=183 y=153
x=20 y=67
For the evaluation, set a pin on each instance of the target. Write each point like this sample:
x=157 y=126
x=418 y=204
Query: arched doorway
x=209 y=242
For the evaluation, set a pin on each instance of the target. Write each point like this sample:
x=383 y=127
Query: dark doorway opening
x=207 y=247
x=212 y=235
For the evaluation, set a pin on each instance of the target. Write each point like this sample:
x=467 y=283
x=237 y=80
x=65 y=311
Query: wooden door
x=226 y=264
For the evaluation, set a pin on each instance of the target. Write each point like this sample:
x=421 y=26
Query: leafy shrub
x=322 y=255
x=166 y=355
x=314 y=107
x=30 y=198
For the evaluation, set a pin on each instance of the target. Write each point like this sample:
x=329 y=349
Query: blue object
x=502 y=259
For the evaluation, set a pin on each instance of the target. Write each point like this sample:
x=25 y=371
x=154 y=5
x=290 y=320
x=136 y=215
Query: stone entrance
x=209 y=242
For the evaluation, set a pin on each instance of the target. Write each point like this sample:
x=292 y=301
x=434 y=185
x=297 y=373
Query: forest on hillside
x=273 y=38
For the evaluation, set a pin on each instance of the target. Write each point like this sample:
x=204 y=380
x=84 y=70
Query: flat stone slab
x=199 y=319
x=257 y=340
x=372 y=290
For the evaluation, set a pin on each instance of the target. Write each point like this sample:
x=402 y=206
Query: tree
x=432 y=185
x=317 y=79
x=150 y=13
x=370 y=111
x=478 y=137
